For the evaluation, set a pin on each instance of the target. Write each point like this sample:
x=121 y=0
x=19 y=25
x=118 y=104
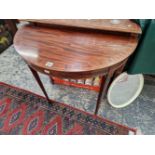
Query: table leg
x=36 y=76
x=120 y=70
x=51 y=78
x=103 y=89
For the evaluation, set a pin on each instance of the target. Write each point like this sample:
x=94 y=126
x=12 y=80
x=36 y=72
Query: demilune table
x=76 y=53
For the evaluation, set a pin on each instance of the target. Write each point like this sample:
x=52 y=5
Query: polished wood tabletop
x=115 y=25
x=75 y=53
x=67 y=52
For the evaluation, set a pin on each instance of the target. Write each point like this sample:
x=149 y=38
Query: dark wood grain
x=72 y=52
x=122 y=25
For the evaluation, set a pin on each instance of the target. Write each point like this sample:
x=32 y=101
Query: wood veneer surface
x=122 y=25
x=72 y=51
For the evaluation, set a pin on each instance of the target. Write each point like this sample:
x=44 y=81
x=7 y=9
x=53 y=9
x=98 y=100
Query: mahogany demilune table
x=77 y=49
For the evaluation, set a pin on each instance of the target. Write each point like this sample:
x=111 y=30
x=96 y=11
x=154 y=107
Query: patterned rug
x=25 y=113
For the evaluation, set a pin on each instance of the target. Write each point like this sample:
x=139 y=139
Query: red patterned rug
x=25 y=113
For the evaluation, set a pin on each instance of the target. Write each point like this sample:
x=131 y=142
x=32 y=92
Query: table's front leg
x=37 y=78
x=120 y=69
x=103 y=88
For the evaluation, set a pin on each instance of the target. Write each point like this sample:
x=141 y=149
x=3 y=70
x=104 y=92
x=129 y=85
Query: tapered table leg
x=119 y=70
x=36 y=76
x=103 y=89
x=51 y=78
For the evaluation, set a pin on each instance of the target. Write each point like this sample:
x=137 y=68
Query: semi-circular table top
x=63 y=52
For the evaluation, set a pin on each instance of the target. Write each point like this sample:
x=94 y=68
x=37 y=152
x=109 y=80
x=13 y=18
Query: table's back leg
x=36 y=76
x=51 y=79
x=103 y=88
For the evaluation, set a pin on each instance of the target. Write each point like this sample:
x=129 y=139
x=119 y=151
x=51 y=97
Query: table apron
x=77 y=75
